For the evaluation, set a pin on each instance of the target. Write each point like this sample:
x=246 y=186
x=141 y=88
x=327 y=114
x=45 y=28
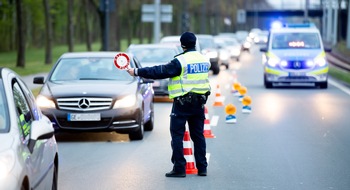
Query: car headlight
x=273 y=62
x=7 y=161
x=44 y=102
x=127 y=101
x=321 y=61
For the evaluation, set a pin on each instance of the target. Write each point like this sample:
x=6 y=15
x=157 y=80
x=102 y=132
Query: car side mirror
x=42 y=129
x=38 y=80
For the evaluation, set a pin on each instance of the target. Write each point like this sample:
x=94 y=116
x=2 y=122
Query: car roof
x=287 y=30
x=90 y=54
x=165 y=45
x=205 y=36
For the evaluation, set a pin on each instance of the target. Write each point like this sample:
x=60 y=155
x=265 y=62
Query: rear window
x=295 y=40
x=153 y=55
x=206 y=43
x=88 y=69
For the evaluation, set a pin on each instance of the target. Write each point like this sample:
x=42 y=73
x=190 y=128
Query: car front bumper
x=120 y=120
x=307 y=76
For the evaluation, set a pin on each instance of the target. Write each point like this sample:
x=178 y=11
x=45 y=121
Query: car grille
x=84 y=104
x=296 y=65
x=297 y=78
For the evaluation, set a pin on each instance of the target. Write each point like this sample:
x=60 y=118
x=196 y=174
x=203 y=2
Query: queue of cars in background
x=295 y=55
x=85 y=92
x=155 y=54
x=28 y=150
x=229 y=49
x=210 y=50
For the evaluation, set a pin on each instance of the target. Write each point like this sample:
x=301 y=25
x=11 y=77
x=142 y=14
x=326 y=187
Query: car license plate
x=84 y=117
x=156 y=83
x=296 y=74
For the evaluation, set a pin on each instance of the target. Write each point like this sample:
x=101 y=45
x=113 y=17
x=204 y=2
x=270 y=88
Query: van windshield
x=295 y=41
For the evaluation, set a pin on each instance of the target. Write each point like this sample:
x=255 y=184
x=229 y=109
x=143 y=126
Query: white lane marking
x=208 y=157
x=214 y=120
x=340 y=86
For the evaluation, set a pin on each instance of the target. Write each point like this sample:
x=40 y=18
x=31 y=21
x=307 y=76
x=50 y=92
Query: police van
x=295 y=55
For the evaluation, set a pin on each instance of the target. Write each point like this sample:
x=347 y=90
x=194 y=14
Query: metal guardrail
x=339 y=60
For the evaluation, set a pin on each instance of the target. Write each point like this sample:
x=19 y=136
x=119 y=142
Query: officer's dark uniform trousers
x=193 y=113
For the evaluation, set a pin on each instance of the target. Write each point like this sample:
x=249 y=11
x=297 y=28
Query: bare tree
x=70 y=28
x=48 y=31
x=20 y=34
x=87 y=24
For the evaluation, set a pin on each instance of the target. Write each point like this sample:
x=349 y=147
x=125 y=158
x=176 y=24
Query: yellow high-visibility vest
x=194 y=75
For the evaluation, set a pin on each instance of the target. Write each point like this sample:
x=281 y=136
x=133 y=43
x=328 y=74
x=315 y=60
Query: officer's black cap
x=188 y=40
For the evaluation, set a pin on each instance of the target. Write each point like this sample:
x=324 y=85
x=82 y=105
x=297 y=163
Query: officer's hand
x=131 y=71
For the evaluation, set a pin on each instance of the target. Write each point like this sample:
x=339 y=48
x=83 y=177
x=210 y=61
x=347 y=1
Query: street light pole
x=105 y=48
x=156 y=21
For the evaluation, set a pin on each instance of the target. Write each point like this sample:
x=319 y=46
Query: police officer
x=189 y=87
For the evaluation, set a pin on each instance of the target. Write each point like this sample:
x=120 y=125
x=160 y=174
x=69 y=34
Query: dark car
x=155 y=54
x=86 y=92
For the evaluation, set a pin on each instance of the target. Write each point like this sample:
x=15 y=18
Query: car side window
x=24 y=114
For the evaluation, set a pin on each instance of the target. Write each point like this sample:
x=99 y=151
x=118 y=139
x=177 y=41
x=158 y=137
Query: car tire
x=215 y=68
x=150 y=123
x=267 y=84
x=138 y=134
x=227 y=66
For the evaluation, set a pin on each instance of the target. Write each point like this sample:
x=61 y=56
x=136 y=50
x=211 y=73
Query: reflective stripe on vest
x=193 y=77
x=24 y=125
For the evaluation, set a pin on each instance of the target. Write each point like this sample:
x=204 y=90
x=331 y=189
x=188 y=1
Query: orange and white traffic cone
x=207 y=130
x=218 y=98
x=188 y=153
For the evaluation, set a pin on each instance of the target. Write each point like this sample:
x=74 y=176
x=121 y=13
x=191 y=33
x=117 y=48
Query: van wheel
x=323 y=85
x=267 y=84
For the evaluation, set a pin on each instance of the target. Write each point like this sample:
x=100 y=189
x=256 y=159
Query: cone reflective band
x=121 y=61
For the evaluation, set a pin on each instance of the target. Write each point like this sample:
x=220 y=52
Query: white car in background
x=28 y=149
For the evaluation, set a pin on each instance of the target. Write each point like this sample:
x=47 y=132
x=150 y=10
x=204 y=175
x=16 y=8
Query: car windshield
x=295 y=40
x=88 y=69
x=154 y=54
x=4 y=118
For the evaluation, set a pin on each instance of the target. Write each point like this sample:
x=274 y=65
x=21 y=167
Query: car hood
x=6 y=142
x=101 y=88
x=296 y=54
x=151 y=64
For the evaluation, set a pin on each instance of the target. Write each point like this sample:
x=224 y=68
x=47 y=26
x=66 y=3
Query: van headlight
x=126 y=102
x=44 y=102
x=273 y=62
x=321 y=61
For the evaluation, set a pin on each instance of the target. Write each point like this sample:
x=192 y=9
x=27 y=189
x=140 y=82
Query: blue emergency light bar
x=299 y=25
